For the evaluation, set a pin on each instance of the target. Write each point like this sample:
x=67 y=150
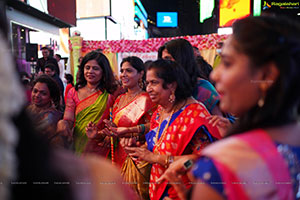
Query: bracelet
x=166 y=162
x=169 y=160
x=143 y=129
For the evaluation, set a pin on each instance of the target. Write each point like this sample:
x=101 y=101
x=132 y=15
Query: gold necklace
x=156 y=141
x=92 y=90
x=129 y=97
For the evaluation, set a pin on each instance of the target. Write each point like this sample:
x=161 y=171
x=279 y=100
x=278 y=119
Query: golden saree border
x=133 y=111
x=249 y=167
x=88 y=101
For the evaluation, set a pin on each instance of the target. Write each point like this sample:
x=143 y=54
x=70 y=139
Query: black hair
x=45 y=48
x=50 y=66
x=170 y=72
x=107 y=82
x=204 y=67
x=137 y=64
x=183 y=53
x=160 y=50
x=52 y=86
x=274 y=40
x=58 y=55
x=69 y=78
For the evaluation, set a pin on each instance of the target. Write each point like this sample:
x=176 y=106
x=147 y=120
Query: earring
x=52 y=103
x=172 y=97
x=141 y=84
x=261 y=102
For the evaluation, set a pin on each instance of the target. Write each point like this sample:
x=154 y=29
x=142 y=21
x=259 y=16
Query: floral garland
x=209 y=41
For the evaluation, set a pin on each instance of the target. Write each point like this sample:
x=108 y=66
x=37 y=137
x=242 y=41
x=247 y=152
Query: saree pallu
x=175 y=140
x=94 y=108
x=250 y=167
x=206 y=93
x=138 y=111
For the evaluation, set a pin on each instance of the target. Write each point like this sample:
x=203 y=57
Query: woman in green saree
x=89 y=100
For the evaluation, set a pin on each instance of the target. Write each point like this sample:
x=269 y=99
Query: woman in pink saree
x=258 y=80
x=89 y=100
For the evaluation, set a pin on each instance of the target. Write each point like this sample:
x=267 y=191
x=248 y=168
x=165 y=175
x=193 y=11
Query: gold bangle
x=166 y=162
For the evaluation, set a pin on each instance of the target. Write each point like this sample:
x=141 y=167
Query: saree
x=206 y=93
x=183 y=126
x=94 y=108
x=45 y=121
x=138 y=111
x=247 y=166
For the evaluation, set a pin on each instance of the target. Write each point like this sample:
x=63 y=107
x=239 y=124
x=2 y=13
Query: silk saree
x=138 y=111
x=250 y=166
x=94 y=108
x=188 y=131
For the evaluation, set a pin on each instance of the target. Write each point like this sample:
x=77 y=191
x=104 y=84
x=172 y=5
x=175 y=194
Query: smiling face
x=129 y=75
x=40 y=95
x=236 y=81
x=45 y=53
x=155 y=88
x=92 y=72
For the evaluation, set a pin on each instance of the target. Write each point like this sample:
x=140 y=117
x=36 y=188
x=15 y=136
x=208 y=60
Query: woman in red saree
x=258 y=79
x=89 y=100
x=131 y=116
x=179 y=125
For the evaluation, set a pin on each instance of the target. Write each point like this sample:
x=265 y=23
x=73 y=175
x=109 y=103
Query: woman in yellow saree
x=131 y=116
x=89 y=100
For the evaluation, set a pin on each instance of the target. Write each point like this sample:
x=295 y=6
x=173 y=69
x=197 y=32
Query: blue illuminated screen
x=166 y=19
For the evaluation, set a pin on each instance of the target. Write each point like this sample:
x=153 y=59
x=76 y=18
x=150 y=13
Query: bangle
x=143 y=129
x=169 y=160
x=166 y=162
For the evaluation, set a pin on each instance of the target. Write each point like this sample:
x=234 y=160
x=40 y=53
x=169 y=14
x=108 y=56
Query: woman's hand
x=112 y=129
x=63 y=128
x=142 y=153
x=105 y=142
x=173 y=176
x=91 y=130
x=220 y=122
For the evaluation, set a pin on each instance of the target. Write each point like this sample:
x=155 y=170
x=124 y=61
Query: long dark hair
x=170 y=72
x=52 y=86
x=271 y=40
x=183 y=53
x=107 y=81
x=137 y=64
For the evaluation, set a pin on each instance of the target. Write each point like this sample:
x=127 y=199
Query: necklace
x=92 y=90
x=130 y=97
x=156 y=141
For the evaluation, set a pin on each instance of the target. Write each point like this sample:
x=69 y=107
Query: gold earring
x=172 y=97
x=141 y=84
x=261 y=102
